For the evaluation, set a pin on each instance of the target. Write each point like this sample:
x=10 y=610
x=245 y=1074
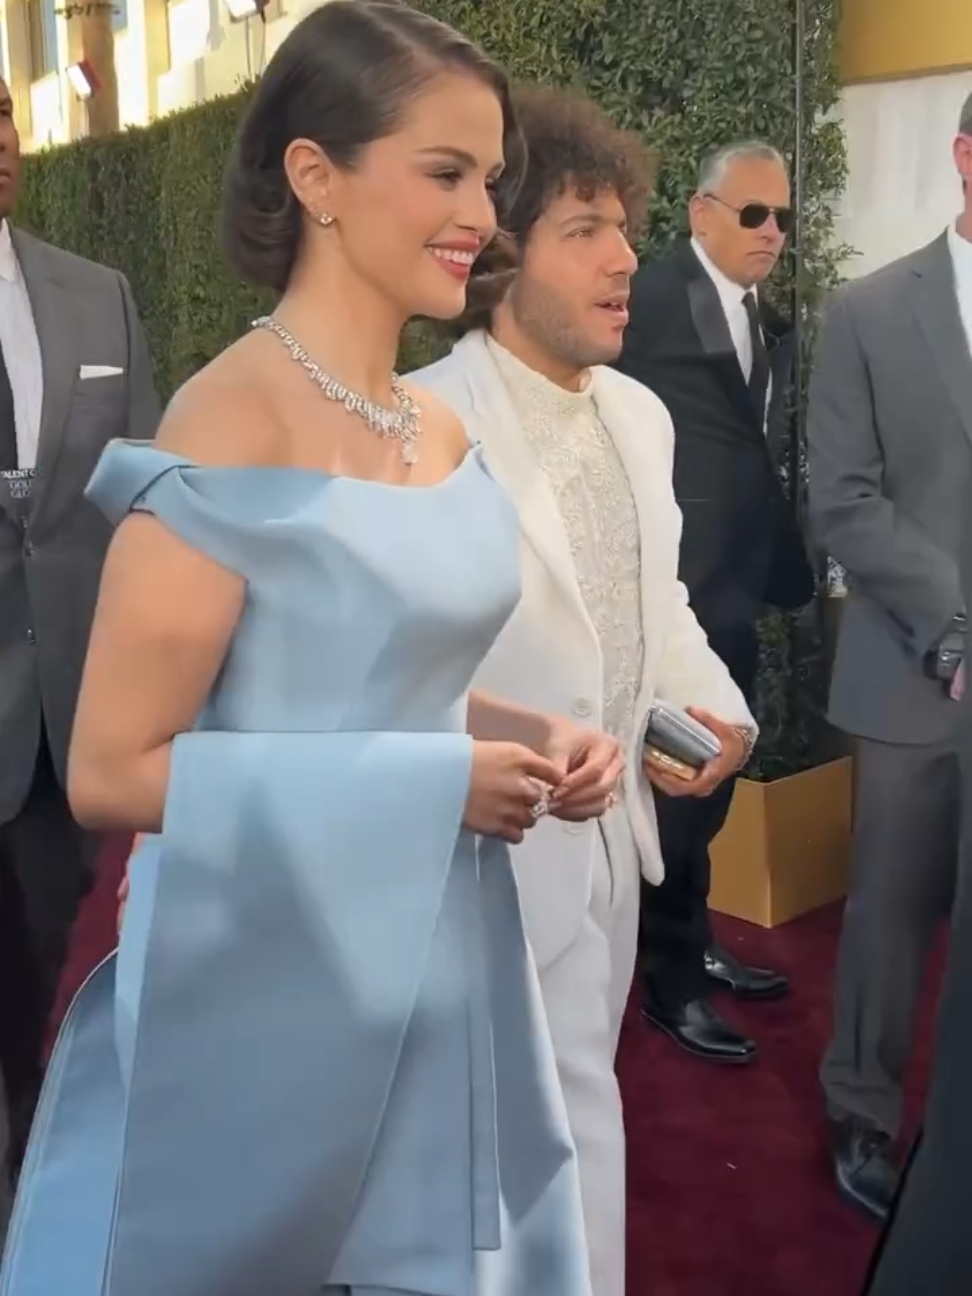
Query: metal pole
x=797 y=421
x=797 y=425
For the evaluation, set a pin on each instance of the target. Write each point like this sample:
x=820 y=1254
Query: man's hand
x=716 y=771
x=957 y=690
x=592 y=763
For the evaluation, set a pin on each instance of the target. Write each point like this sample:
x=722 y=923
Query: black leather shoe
x=866 y=1175
x=701 y=1032
x=744 y=982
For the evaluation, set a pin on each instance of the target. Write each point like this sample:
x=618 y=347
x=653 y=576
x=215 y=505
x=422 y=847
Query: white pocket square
x=99 y=371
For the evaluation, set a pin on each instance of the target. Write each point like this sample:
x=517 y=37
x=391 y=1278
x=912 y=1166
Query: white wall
x=902 y=189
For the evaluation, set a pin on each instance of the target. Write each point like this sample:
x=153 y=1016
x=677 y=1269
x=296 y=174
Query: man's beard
x=545 y=317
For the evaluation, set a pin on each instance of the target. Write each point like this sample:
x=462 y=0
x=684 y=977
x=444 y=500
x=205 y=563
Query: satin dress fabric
x=318 y=1061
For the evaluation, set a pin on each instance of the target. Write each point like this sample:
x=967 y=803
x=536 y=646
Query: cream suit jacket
x=548 y=656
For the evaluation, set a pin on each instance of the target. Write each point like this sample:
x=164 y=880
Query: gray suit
x=49 y=574
x=50 y=565
x=927 y=1247
x=890 y=455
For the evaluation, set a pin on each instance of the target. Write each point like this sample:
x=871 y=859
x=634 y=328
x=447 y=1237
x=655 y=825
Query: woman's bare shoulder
x=222 y=417
x=440 y=421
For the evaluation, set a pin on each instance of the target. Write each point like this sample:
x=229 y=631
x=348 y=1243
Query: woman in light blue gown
x=317 y=1062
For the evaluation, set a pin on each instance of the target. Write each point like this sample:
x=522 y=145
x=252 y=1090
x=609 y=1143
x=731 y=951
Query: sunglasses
x=755 y=215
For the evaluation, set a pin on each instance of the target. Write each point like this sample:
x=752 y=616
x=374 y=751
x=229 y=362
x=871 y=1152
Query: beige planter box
x=785 y=848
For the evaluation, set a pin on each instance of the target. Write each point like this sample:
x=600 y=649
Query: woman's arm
x=164 y=620
x=491 y=719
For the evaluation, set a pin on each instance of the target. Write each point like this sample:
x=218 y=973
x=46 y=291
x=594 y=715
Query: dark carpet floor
x=730 y=1190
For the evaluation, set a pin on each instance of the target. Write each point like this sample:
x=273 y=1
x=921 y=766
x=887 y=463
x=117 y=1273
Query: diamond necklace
x=401 y=423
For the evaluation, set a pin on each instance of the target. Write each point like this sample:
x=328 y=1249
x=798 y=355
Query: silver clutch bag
x=674 y=734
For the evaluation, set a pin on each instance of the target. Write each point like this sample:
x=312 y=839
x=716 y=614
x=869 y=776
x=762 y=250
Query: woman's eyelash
x=453 y=177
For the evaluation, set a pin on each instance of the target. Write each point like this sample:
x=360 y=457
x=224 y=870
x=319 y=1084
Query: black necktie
x=8 y=427
x=760 y=372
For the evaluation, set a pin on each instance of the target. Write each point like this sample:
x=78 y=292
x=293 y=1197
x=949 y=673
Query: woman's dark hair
x=571 y=144
x=344 y=77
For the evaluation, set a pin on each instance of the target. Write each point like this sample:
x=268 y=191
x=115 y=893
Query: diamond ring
x=541 y=806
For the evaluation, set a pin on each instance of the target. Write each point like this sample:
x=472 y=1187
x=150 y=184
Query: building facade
x=169 y=54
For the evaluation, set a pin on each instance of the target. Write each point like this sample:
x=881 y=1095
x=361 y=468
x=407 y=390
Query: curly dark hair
x=571 y=143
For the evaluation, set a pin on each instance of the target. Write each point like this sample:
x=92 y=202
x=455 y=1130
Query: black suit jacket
x=741 y=546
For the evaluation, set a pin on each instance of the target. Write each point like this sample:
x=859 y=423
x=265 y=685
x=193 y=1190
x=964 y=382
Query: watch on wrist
x=748 y=742
x=943 y=659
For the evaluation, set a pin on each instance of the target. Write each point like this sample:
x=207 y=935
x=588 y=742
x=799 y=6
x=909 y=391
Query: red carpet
x=730 y=1190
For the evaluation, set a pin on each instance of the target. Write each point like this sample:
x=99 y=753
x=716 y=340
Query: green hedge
x=688 y=74
x=146 y=202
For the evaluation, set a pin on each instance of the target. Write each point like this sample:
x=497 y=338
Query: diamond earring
x=325 y=219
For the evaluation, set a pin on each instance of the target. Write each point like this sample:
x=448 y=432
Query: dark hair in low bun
x=343 y=78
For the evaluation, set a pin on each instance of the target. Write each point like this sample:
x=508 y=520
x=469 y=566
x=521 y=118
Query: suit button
x=29 y=548
x=582 y=707
x=31 y=637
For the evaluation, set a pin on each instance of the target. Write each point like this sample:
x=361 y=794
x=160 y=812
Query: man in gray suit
x=890 y=449
x=74 y=372
x=927 y=1247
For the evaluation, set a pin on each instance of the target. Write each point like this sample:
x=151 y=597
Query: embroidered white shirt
x=21 y=351
x=599 y=514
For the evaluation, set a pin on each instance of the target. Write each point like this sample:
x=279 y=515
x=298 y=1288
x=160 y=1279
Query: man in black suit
x=703 y=340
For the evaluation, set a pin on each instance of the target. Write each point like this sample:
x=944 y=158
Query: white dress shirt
x=731 y=297
x=961 y=253
x=21 y=351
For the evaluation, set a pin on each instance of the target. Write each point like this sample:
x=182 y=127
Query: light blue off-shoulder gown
x=318 y=1061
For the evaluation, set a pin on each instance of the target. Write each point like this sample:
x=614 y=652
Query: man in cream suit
x=74 y=372
x=603 y=628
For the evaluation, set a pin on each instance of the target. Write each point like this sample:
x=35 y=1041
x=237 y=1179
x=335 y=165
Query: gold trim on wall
x=883 y=40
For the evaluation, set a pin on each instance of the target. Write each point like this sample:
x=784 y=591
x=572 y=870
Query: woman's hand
x=122 y=895
x=508 y=790
x=592 y=763
x=729 y=761
x=122 y=898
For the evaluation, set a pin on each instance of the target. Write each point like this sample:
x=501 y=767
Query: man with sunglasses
x=702 y=338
